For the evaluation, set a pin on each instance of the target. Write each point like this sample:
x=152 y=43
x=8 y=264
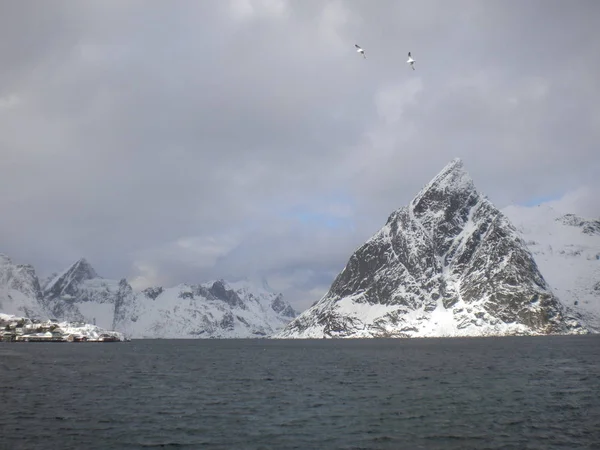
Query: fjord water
x=475 y=393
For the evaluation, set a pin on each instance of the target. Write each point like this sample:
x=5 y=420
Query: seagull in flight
x=411 y=61
x=360 y=50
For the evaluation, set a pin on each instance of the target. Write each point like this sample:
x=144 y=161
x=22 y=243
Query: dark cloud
x=188 y=140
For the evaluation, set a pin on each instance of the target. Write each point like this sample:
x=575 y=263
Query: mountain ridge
x=79 y=294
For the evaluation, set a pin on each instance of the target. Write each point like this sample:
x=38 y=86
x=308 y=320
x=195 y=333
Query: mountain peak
x=82 y=265
x=453 y=169
x=449 y=264
x=67 y=281
x=447 y=199
x=454 y=164
x=452 y=179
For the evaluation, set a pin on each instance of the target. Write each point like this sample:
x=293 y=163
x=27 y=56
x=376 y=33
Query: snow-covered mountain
x=79 y=294
x=20 y=292
x=566 y=248
x=216 y=309
x=448 y=264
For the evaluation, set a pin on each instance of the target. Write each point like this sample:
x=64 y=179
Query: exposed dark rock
x=282 y=307
x=588 y=226
x=153 y=292
x=219 y=291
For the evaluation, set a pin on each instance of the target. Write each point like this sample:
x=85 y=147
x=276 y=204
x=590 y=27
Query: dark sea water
x=482 y=393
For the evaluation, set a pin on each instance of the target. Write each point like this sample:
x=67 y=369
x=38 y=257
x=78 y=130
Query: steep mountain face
x=79 y=294
x=216 y=309
x=68 y=282
x=448 y=264
x=566 y=247
x=126 y=308
x=20 y=292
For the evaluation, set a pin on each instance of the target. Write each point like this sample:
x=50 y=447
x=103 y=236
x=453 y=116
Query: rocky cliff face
x=448 y=264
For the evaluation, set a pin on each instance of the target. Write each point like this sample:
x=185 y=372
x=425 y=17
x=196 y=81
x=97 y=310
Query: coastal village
x=22 y=329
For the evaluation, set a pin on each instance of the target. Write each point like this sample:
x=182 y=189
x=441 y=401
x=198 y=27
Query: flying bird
x=360 y=50
x=411 y=61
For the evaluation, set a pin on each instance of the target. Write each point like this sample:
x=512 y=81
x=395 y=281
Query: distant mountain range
x=451 y=264
x=217 y=309
x=447 y=264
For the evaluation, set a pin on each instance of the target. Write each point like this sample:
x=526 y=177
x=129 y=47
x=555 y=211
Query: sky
x=184 y=141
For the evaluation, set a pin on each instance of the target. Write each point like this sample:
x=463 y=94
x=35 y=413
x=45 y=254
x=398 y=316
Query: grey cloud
x=176 y=136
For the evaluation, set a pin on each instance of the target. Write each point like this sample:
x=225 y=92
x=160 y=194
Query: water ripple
x=525 y=393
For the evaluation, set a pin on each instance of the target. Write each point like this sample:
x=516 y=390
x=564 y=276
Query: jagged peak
x=82 y=268
x=453 y=168
x=249 y=284
x=449 y=186
x=83 y=264
x=219 y=282
x=79 y=271
x=452 y=176
x=5 y=260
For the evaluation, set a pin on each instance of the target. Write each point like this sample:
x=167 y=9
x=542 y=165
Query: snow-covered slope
x=448 y=264
x=216 y=309
x=567 y=251
x=20 y=292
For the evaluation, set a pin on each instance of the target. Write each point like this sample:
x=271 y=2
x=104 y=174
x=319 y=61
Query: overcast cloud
x=180 y=141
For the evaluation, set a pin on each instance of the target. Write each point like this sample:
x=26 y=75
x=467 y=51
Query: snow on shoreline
x=91 y=333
